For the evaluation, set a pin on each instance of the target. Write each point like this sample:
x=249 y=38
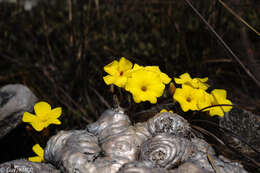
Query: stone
x=15 y=99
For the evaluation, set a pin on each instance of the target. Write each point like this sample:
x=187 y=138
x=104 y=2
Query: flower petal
x=148 y=96
x=227 y=108
x=205 y=79
x=216 y=111
x=178 y=81
x=187 y=97
x=145 y=85
x=204 y=100
x=109 y=79
x=38 y=126
x=164 y=77
x=137 y=67
x=219 y=96
x=185 y=107
x=35 y=159
x=42 y=108
x=125 y=64
x=28 y=117
x=203 y=86
x=38 y=150
x=121 y=81
x=185 y=77
x=136 y=98
x=157 y=89
x=219 y=93
x=179 y=98
x=112 y=68
x=152 y=100
x=55 y=113
x=164 y=110
x=54 y=121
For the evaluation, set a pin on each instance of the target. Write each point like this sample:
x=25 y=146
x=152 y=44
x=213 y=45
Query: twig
x=238 y=17
x=101 y=98
x=212 y=161
x=97 y=7
x=87 y=118
x=224 y=44
x=45 y=27
x=219 y=61
x=207 y=133
x=76 y=104
x=215 y=106
x=70 y=20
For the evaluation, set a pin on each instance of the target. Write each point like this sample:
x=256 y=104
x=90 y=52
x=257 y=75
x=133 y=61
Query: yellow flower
x=44 y=116
x=187 y=97
x=164 y=110
x=218 y=96
x=164 y=77
x=118 y=72
x=39 y=151
x=198 y=83
x=204 y=100
x=145 y=85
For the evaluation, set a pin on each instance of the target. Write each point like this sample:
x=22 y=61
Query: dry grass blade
x=97 y=7
x=238 y=17
x=207 y=133
x=212 y=161
x=70 y=20
x=224 y=44
x=215 y=106
x=101 y=98
x=229 y=132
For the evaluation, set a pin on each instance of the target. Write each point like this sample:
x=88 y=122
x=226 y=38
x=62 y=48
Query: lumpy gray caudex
x=113 y=145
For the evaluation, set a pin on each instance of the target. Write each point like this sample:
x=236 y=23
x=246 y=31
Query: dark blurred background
x=58 y=48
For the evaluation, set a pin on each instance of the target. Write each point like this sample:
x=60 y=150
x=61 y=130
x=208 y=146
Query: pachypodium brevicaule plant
x=44 y=116
x=147 y=83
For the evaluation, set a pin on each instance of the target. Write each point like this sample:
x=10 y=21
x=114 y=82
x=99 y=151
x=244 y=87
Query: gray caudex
x=164 y=143
x=25 y=166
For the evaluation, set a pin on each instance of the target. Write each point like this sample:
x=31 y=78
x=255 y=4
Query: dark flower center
x=144 y=88
x=188 y=99
x=121 y=73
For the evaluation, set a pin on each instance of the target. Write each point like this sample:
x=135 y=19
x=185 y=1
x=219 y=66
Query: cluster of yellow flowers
x=44 y=116
x=148 y=83
x=193 y=96
x=145 y=83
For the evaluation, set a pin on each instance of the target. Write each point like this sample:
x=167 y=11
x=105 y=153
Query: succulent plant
x=112 y=144
x=166 y=151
